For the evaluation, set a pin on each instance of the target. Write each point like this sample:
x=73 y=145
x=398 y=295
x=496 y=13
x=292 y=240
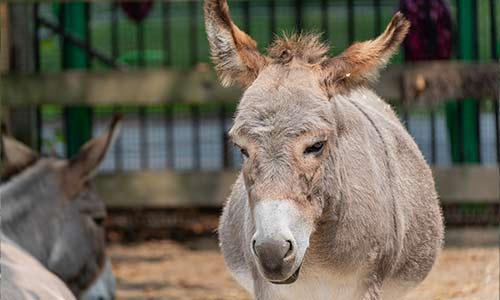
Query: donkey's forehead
x=53 y=164
x=284 y=100
x=286 y=86
x=292 y=76
x=280 y=107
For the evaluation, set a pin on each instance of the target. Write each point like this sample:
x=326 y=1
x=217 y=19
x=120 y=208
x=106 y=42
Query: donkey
x=334 y=200
x=51 y=212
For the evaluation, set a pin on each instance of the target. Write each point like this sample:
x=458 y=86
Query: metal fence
x=194 y=137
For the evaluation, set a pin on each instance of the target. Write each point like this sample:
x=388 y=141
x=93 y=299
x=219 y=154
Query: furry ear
x=233 y=52
x=84 y=165
x=361 y=62
x=16 y=154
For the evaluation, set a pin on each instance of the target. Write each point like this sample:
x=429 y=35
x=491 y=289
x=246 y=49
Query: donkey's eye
x=316 y=148
x=244 y=152
x=99 y=221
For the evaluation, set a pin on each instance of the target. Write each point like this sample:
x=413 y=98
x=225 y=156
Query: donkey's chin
x=290 y=279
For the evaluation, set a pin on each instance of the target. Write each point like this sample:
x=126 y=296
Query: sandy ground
x=170 y=270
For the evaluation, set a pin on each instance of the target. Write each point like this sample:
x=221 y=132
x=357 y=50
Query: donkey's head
x=51 y=210
x=286 y=129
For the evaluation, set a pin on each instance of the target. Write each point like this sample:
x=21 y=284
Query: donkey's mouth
x=290 y=279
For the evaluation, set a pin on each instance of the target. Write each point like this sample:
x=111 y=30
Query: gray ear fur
x=16 y=154
x=233 y=52
x=84 y=165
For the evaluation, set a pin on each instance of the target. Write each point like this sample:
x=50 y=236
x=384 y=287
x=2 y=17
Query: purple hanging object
x=431 y=34
x=137 y=10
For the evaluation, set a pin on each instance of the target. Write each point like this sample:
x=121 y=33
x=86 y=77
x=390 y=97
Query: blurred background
x=67 y=67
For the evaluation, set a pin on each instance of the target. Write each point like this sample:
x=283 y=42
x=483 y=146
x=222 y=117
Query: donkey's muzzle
x=276 y=258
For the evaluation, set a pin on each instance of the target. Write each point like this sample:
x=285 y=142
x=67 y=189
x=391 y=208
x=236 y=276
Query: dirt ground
x=196 y=271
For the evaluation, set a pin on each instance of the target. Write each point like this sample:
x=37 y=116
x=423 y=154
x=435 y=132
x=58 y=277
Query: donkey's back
x=391 y=187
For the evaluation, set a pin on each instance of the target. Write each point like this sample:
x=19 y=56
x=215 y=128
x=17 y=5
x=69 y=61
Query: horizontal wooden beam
x=471 y=236
x=430 y=82
x=168 y=189
x=468 y=184
x=137 y=87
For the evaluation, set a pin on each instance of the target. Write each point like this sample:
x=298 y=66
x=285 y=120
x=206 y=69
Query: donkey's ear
x=16 y=154
x=233 y=52
x=84 y=165
x=361 y=62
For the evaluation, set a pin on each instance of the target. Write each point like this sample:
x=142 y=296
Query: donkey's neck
x=23 y=204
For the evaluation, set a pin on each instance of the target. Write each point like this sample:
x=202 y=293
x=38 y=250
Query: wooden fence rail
x=168 y=189
x=425 y=84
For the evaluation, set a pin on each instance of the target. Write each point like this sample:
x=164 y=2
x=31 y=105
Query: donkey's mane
x=39 y=168
x=305 y=47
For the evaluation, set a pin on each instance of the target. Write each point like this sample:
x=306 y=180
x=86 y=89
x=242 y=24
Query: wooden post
x=4 y=38
x=4 y=49
x=22 y=120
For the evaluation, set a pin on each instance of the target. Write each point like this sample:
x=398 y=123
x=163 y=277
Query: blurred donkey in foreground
x=52 y=223
x=334 y=198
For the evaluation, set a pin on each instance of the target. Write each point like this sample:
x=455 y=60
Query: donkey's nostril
x=253 y=249
x=290 y=251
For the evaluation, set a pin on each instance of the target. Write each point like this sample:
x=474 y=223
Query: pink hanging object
x=430 y=36
x=137 y=10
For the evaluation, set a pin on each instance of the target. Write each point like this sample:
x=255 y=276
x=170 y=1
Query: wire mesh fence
x=192 y=137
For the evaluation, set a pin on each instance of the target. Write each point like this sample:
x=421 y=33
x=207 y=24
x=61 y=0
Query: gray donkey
x=51 y=212
x=334 y=200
